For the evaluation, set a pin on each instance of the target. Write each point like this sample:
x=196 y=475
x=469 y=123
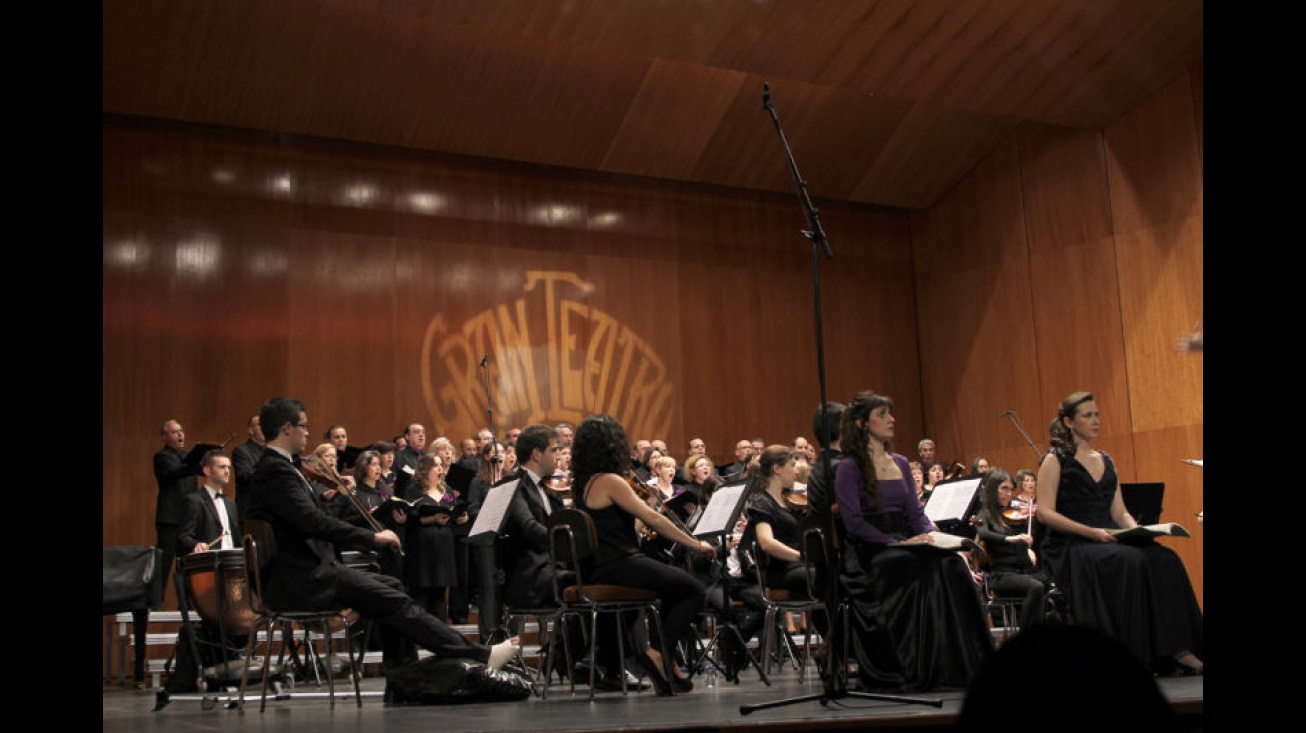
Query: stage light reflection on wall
x=198 y=258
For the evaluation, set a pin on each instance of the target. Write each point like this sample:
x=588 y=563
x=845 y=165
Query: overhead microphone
x=766 y=95
x=485 y=360
x=1008 y=413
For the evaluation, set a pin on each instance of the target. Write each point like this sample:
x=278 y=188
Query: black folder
x=1143 y=500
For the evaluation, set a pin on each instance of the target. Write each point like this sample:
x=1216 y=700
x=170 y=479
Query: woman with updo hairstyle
x=1137 y=592
x=777 y=528
x=917 y=622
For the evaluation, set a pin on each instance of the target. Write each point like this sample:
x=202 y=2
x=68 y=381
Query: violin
x=1019 y=514
x=796 y=500
x=559 y=485
x=312 y=466
x=956 y=470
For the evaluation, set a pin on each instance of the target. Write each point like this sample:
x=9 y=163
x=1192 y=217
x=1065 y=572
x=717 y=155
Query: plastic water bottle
x=710 y=669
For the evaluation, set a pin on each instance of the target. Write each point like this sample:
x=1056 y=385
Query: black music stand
x=722 y=520
x=832 y=689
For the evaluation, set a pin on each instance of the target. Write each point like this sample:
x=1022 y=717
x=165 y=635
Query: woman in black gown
x=1009 y=545
x=917 y=623
x=600 y=455
x=1138 y=593
x=429 y=552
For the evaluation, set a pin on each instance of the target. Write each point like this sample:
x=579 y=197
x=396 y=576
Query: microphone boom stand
x=832 y=687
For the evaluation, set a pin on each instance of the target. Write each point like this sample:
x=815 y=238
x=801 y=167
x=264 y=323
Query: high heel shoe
x=650 y=668
x=683 y=684
x=1184 y=668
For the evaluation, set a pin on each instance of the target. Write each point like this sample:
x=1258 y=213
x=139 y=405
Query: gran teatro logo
x=552 y=358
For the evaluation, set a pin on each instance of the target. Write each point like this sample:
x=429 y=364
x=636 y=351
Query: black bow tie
x=218 y=495
x=296 y=461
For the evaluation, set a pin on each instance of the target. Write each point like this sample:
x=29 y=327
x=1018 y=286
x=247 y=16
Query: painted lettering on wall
x=553 y=358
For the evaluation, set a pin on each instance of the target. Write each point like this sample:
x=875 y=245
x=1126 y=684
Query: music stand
x=718 y=519
x=816 y=235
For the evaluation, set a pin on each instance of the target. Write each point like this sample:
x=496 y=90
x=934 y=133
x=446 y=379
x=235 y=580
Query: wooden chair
x=259 y=547
x=572 y=541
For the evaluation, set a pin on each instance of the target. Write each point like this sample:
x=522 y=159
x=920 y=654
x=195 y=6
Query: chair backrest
x=254 y=564
x=261 y=531
x=816 y=550
x=572 y=539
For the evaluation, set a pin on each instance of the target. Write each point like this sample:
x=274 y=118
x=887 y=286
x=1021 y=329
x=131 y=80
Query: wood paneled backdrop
x=369 y=282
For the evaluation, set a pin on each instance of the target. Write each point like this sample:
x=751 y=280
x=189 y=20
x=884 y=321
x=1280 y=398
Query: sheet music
x=494 y=508
x=716 y=517
x=951 y=500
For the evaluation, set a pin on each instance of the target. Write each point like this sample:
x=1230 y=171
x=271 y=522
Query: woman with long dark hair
x=1151 y=606
x=600 y=460
x=1009 y=546
x=917 y=620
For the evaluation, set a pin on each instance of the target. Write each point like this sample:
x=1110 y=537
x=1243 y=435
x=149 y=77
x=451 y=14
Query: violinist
x=773 y=520
x=1004 y=531
x=303 y=574
x=601 y=461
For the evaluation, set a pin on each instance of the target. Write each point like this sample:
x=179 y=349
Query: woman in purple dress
x=917 y=623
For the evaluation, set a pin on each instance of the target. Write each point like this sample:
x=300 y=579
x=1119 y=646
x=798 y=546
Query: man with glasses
x=304 y=573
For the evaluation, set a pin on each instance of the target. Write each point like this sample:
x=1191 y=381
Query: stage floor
x=131 y=710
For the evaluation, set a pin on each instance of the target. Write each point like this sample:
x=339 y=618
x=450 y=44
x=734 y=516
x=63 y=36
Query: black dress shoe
x=683 y=684
x=612 y=683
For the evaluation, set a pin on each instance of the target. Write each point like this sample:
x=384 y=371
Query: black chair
x=779 y=602
x=572 y=540
x=548 y=620
x=818 y=555
x=260 y=547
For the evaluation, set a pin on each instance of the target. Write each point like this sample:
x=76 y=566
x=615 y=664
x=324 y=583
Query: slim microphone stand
x=1011 y=415
x=831 y=681
x=489 y=399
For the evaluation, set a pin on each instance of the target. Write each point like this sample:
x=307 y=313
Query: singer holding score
x=916 y=619
x=1139 y=592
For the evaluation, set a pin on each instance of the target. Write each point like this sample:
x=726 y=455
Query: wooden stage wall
x=369 y=282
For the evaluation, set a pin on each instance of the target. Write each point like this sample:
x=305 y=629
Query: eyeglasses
x=303 y=425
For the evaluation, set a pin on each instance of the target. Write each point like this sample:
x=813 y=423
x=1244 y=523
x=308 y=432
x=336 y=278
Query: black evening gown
x=1138 y=593
x=916 y=623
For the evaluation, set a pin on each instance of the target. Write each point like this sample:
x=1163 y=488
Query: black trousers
x=381 y=598
x=682 y=595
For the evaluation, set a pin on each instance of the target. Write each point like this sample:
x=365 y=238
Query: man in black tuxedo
x=243 y=459
x=176 y=480
x=305 y=575
x=210 y=519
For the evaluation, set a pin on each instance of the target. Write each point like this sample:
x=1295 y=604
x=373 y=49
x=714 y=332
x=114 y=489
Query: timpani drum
x=216 y=586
